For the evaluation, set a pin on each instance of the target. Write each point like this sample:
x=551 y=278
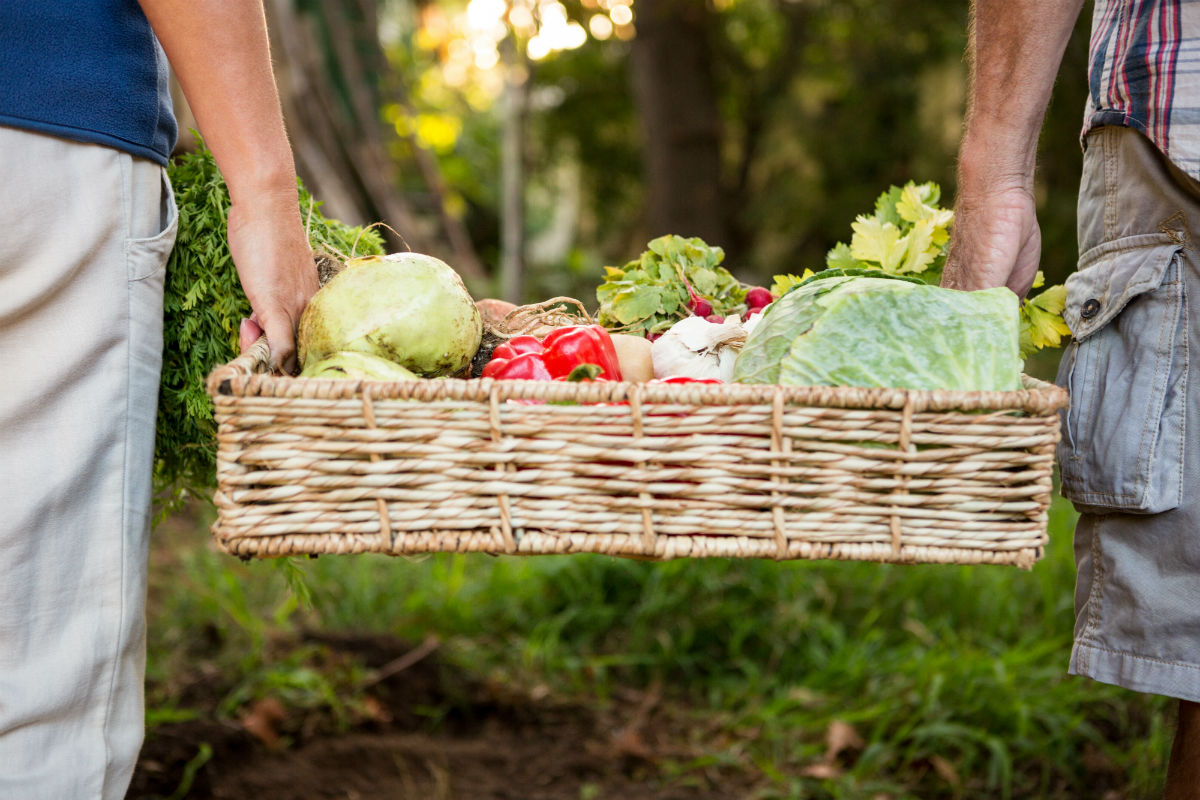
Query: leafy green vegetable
x=651 y=294
x=1042 y=323
x=782 y=284
x=856 y=272
x=203 y=306
x=907 y=235
x=856 y=330
x=791 y=316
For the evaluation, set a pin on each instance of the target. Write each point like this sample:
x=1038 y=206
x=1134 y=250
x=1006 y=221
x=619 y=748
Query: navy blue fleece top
x=88 y=70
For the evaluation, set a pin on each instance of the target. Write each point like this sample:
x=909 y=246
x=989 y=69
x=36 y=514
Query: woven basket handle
x=251 y=362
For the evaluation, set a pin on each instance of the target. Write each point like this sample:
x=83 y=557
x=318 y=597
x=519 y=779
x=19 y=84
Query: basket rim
x=247 y=376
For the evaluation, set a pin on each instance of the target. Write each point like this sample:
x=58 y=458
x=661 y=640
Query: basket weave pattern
x=646 y=471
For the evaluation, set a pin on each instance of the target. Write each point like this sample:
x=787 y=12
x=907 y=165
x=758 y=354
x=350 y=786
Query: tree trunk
x=512 y=176
x=331 y=69
x=676 y=100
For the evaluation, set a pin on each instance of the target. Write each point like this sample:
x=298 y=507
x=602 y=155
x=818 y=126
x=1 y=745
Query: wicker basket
x=639 y=470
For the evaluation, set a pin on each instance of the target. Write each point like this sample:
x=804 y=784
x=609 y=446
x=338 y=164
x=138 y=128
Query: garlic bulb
x=697 y=348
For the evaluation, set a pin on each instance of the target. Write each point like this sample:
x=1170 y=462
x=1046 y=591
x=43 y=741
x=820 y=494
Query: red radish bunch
x=757 y=299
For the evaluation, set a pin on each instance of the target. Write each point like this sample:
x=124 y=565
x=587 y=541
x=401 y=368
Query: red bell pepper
x=568 y=347
x=518 y=345
x=556 y=356
x=685 y=379
x=521 y=367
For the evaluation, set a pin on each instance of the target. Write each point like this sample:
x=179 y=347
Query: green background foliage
x=959 y=666
x=823 y=104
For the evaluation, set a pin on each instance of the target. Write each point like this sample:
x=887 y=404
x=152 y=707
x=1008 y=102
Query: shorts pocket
x=1126 y=372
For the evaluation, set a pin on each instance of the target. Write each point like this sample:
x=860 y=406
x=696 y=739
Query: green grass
x=954 y=677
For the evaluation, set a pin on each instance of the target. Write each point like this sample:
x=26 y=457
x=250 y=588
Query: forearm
x=219 y=52
x=1015 y=48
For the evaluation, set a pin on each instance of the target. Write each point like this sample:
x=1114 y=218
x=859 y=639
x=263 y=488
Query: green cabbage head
x=883 y=332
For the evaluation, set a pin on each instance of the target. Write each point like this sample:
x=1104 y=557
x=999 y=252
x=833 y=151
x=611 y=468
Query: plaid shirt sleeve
x=1144 y=73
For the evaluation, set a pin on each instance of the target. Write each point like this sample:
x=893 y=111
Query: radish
x=757 y=297
x=699 y=306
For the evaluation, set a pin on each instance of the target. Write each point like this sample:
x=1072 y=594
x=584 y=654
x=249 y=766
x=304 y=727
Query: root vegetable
x=699 y=306
x=494 y=311
x=361 y=366
x=633 y=353
x=757 y=297
x=409 y=308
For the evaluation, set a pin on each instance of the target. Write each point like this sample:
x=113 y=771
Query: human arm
x=1015 y=48
x=220 y=54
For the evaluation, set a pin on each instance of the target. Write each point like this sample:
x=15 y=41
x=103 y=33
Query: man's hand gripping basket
x=638 y=470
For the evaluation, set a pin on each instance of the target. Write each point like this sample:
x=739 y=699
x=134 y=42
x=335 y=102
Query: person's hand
x=249 y=332
x=277 y=272
x=996 y=242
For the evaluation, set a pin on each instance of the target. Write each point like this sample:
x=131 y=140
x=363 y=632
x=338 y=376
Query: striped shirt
x=1144 y=73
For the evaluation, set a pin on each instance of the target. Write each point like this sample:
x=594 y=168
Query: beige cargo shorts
x=1130 y=453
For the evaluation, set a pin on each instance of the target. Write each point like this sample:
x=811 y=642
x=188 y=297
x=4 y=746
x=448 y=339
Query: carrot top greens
x=203 y=305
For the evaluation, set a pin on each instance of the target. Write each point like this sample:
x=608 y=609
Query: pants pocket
x=146 y=257
x=146 y=268
x=1126 y=372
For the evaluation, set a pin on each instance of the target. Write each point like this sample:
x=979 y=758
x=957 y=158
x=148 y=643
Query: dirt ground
x=487 y=744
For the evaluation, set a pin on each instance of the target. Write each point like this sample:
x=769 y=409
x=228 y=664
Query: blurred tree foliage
x=817 y=106
x=334 y=83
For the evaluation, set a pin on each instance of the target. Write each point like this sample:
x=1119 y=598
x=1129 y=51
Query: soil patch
x=431 y=733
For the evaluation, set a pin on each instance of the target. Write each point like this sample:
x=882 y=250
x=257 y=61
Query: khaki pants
x=82 y=261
